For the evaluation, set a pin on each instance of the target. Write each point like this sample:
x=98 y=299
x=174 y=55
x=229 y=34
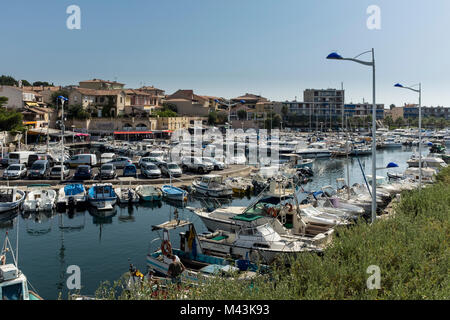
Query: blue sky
x=227 y=48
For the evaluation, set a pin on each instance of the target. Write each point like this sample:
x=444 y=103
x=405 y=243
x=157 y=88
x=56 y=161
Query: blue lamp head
x=398 y=85
x=215 y=100
x=334 y=56
x=242 y=101
x=392 y=165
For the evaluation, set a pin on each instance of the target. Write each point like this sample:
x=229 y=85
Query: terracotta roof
x=136 y=92
x=95 y=92
x=102 y=81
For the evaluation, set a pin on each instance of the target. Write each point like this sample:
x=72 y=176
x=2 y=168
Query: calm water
x=48 y=244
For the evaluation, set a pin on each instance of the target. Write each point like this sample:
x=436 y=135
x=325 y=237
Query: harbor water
x=103 y=247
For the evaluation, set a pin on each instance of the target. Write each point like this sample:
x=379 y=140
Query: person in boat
x=176 y=268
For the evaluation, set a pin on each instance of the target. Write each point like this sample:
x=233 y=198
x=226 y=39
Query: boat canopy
x=73 y=189
x=246 y=217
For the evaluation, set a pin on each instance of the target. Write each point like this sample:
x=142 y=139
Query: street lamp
x=229 y=105
x=62 y=133
x=336 y=56
x=398 y=85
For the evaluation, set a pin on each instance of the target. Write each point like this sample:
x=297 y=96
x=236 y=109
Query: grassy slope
x=411 y=249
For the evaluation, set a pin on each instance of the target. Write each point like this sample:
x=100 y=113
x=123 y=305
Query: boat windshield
x=12 y=292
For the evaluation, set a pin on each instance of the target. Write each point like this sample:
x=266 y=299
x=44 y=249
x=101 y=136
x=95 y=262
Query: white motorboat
x=315 y=150
x=10 y=198
x=392 y=143
x=239 y=185
x=260 y=244
x=126 y=195
x=149 y=193
x=39 y=198
x=212 y=185
x=72 y=195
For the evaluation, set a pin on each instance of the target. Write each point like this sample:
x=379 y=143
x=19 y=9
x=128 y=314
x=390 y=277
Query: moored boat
x=149 y=193
x=174 y=193
x=10 y=198
x=102 y=196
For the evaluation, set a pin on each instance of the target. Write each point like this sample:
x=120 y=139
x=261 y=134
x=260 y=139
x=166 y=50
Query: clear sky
x=275 y=48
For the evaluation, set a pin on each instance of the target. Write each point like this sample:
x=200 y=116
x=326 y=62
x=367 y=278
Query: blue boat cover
x=172 y=190
x=73 y=189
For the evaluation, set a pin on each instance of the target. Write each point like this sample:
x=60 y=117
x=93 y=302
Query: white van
x=19 y=157
x=82 y=159
x=107 y=157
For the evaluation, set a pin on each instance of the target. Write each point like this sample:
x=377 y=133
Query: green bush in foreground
x=411 y=249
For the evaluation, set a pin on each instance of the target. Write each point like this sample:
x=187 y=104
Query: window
x=12 y=292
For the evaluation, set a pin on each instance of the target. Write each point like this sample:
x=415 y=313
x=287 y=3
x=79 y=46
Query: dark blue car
x=130 y=171
x=84 y=172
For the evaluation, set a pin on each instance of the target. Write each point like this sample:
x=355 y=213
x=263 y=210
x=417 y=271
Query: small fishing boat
x=212 y=185
x=174 y=193
x=149 y=193
x=39 y=198
x=13 y=283
x=10 y=198
x=102 y=196
x=126 y=195
x=198 y=263
x=239 y=185
x=72 y=195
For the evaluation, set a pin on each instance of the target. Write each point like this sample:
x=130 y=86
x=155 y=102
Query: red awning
x=132 y=132
x=167 y=131
x=82 y=135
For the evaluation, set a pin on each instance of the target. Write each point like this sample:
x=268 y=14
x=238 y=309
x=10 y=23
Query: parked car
x=84 y=172
x=195 y=164
x=55 y=172
x=107 y=157
x=39 y=170
x=15 y=171
x=218 y=165
x=129 y=171
x=153 y=160
x=39 y=156
x=4 y=161
x=120 y=162
x=150 y=170
x=107 y=171
x=170 y=169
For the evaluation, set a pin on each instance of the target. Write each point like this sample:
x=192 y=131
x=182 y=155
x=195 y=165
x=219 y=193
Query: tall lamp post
x=335 y=56
x=419 y=91
x=229 y=105
x=62 y=133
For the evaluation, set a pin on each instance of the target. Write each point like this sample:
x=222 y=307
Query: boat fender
x=288 y=205
x=2 y=259
x=272 y=212
x=166 y=247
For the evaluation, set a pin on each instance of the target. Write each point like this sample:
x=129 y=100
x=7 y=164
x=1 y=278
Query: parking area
x=141 y=179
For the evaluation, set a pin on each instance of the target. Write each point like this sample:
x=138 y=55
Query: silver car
x=120 y=162
x=150 y=170
x=55 y=172
x=171 y=169
x=107 y=171
x=15 y=171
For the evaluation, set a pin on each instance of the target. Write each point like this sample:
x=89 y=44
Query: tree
x=77 y=112
x=388 y=121
x=3 y=101
x=42 y=83
x=284 y=111
x=170 y=106
x=25 y=83
x=242 y=114
x=222 y=117
x=212 y=118
x=11 y=120
x=8 y=81
x=58 y=93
